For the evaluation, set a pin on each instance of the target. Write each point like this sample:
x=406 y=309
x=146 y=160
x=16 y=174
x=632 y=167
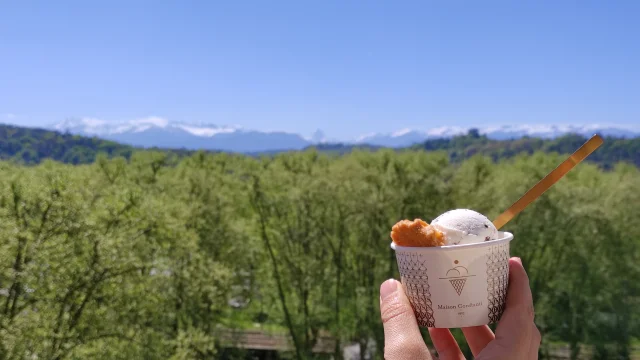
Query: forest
x=154 y=256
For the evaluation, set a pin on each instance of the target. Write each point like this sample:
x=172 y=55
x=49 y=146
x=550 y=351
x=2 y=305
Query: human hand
x=516 y=337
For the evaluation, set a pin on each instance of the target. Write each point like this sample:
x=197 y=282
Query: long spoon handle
x=543 y=185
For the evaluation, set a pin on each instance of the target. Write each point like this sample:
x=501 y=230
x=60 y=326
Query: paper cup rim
x=506 y=237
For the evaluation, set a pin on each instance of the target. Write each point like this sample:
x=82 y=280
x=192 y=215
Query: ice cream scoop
x=464 y=226
x=454 y=227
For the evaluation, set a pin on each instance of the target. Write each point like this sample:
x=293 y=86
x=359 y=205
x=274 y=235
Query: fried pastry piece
x=416 y=233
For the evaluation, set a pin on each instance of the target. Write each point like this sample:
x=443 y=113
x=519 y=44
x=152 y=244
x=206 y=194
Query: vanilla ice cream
x=464 y=226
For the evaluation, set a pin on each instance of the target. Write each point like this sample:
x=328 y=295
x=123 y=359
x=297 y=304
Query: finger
x=478 y=337
x=515 y=323
x=445 y=344
x=402 y=338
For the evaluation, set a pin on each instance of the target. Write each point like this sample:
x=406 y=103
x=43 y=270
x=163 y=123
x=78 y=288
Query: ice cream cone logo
x=457 y=277
x=458 y=285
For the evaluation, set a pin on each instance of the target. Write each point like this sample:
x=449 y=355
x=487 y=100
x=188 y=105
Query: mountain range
x=30 y=146
x=158 y=132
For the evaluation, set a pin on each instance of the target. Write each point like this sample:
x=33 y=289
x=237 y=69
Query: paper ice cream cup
x=456 y=286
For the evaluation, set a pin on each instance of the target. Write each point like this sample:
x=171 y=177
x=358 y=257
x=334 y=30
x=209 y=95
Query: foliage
x=150 y=256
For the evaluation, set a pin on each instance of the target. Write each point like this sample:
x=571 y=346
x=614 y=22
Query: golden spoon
x=543 y=185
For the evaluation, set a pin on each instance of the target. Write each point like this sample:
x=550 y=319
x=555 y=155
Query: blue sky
x=347 y=67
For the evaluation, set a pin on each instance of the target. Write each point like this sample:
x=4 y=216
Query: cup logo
x=457 y=277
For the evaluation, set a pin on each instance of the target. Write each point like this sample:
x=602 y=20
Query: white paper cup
x=456 y=286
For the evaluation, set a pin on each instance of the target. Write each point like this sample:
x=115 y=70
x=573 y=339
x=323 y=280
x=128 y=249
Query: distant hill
x=338 y=148
x=461 y=147
x=31 y=146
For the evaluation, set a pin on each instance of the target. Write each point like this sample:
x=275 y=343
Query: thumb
x=519 y=303
x=402 y=338
x=516 y=328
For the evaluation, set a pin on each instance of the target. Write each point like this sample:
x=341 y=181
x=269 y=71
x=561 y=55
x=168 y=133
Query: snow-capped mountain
x=409 y=137
x=318 y=137
x=159 y=132
x=553 y=131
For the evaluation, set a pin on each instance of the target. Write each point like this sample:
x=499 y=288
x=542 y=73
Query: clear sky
x=347 y=67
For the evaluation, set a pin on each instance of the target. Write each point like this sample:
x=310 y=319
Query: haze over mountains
x=158 y=132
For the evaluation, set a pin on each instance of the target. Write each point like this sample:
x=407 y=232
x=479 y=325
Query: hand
x=516 y=337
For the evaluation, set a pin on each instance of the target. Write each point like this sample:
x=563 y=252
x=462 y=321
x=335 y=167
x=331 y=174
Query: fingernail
x=518 y=260
x=388 y=288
